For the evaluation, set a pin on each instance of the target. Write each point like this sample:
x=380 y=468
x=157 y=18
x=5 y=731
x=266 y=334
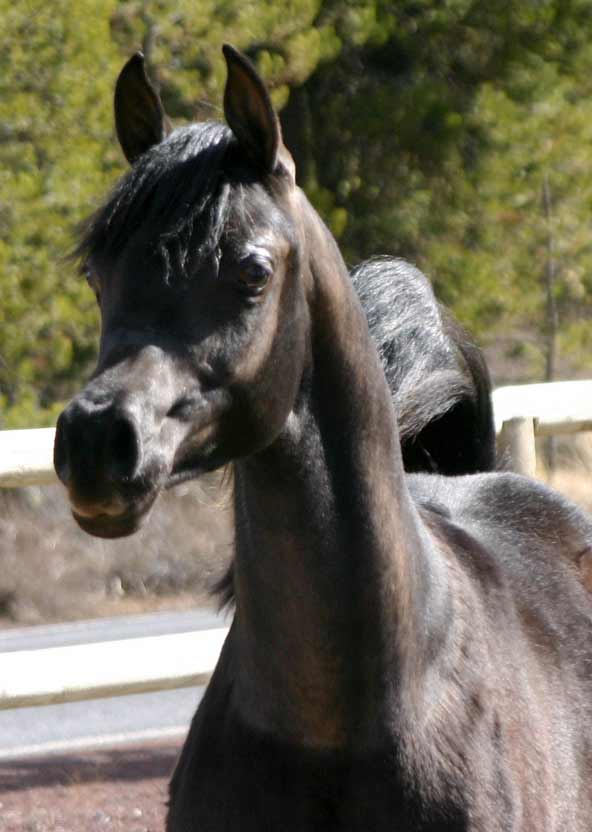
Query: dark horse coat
x=409 y=653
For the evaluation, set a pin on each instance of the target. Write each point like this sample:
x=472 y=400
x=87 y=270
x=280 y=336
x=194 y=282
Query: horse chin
x=196 y=465
x=111 y=526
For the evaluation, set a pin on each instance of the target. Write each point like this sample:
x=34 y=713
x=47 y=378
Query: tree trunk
x=552 y=316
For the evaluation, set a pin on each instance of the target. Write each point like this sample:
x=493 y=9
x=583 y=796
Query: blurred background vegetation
x=456 y=133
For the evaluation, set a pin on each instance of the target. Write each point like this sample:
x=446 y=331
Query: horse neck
x=332 y=573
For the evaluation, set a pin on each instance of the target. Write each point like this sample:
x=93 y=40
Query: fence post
x=516 y=442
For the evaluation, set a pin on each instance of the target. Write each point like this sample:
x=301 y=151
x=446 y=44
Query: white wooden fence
x=54 y=675
x=60 y=674
x=26 y=457
x=525 y=411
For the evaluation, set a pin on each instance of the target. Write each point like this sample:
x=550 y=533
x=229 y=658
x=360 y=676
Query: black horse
x=436 y=372
x=408 y=652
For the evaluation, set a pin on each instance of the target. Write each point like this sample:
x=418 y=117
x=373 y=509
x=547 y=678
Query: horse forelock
x=177 y=193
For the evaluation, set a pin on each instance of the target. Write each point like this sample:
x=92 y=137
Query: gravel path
x=121 y=790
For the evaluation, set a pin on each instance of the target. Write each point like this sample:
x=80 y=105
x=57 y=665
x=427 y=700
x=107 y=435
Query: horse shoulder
x=520 y=523
x=510 y=693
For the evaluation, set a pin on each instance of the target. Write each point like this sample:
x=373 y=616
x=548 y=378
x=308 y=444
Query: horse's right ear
x=249 y=111
x=140 y=119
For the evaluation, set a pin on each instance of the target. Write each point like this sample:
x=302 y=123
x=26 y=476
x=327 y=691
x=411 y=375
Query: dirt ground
x=118 y=790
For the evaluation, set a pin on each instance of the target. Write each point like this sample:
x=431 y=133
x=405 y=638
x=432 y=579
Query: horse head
x=196 y=262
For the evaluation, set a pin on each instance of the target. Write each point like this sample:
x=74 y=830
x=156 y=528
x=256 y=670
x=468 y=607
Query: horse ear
x=249 y=111
x=140 y=119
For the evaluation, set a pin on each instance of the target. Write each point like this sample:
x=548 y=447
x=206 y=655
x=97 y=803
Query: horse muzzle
x=103 y=522
x=113 y=457
x=128 y=434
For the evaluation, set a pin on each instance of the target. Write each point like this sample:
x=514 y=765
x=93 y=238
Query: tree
x=430 y=136
x=56 y=157
x=419 y=128
x=520 y=251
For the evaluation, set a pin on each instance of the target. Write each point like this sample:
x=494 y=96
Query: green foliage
x=420 y=128
x=503 y=237
x=436 y=134
x=56 y=157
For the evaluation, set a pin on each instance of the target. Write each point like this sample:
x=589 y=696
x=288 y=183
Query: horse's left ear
x=140 y=119
x=250 y=113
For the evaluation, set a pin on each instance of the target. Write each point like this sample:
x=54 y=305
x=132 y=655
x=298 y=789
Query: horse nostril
x=61 y=455
x=123 y=449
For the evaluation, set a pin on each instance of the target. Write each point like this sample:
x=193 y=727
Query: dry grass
x=52 y=571
x=573 y=474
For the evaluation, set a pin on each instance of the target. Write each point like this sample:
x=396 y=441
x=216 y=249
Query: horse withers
x=408 y=652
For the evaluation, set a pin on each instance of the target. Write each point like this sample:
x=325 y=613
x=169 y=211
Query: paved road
x=109 y=629
x=118 y=720
x=25 y=732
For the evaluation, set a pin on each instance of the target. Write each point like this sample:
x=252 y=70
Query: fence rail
x=110 y=668
x=26 y=457
x=61 y=674
x=525 y=411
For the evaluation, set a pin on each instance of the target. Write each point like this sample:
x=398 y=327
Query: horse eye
x=92 y=282
x=254 y=275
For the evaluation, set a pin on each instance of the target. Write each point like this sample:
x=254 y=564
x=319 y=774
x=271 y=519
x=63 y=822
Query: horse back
x=523 y=630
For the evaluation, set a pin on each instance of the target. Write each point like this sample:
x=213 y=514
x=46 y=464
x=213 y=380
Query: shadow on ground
x=121 y=765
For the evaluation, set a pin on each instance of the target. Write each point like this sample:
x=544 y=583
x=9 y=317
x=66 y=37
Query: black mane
x=407 y=327
x=180 y=187
x=437 y=375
